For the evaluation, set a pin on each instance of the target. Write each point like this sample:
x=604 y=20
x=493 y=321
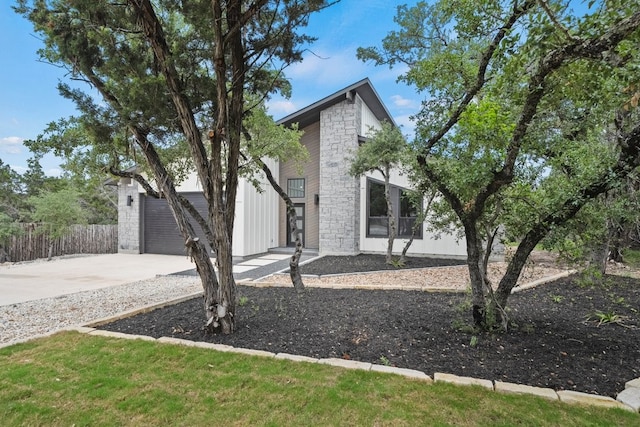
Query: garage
x=160 y=232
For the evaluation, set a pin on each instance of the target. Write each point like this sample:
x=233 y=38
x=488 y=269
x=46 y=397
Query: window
x=407 y=215
x=295 y=187
x=404 y=211
x=377 y=221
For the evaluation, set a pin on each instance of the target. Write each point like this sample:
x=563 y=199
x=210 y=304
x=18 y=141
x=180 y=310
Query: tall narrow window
x=295 y=187
x=377 y=220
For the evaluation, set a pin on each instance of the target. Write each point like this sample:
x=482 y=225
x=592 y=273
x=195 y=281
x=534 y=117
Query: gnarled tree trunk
x=294 y=269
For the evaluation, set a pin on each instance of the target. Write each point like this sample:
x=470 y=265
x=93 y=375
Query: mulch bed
x=557 y=339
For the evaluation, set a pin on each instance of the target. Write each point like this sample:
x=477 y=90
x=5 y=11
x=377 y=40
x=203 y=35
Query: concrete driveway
x=42 y=279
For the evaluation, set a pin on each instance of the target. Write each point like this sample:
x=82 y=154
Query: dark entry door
x=291 y=238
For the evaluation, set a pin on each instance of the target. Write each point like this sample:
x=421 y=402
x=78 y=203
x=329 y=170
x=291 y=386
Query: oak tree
x=530 y=106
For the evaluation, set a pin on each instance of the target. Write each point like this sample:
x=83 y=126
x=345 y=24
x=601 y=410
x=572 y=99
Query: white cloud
x=281 y=107
x=402 y=102
x=328 y=68
x=11 y=145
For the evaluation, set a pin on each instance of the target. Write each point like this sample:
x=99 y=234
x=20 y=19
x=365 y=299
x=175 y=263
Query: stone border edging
x=543 y=281
x=628 y=399
x=140 y=310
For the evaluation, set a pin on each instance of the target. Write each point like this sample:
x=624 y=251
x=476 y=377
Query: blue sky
x=29 y=99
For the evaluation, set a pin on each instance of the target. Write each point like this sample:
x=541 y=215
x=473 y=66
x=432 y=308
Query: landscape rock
x=630 y=397
x=467 y=381
x=511 y=388
x=576 y=397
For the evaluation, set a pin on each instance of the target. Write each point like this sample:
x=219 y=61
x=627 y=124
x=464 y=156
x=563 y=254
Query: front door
x=291 y=238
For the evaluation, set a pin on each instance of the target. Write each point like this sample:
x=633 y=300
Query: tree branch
x=517 y=13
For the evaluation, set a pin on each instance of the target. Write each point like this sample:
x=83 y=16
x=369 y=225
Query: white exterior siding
x=444 y=246
x=368 y=121
x=256 y=224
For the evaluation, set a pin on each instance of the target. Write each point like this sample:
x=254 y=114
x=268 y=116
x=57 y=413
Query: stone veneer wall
x=339 y=222
x=128 y=218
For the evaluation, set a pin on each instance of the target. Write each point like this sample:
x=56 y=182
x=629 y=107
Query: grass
x=76 y=379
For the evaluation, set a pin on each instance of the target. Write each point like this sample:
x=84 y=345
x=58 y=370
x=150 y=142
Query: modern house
x=337 y=213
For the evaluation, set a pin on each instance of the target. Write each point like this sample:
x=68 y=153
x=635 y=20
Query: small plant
x=397 y=263
x=557 y=298
x=474 y=341
x=384 y=361
x=465 y=305
x=608 y=318
x=242 y=301
x=462 y=326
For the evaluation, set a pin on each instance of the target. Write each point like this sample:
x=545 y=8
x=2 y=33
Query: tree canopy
x=173 y=77
x=530 y=111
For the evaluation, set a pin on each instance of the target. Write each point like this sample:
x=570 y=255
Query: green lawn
x=77 y=379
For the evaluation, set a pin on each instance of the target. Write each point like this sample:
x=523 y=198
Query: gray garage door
x=161 y=235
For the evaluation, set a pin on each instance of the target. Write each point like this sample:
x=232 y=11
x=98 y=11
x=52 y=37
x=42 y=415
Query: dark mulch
x=556 y=340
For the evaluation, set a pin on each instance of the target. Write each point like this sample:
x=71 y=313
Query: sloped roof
x=364 y=88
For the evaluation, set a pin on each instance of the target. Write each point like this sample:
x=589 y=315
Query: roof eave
x=363 y=88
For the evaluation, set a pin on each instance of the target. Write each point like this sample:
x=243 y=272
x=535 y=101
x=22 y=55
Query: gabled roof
x=311 y=113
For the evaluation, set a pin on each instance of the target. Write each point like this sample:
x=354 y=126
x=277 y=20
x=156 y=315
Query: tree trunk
x=420 y=219
x=516 y=264
x=196 y=249
x=598 y=257
x=50 y=251
x=476 y=275
x=225 y=301
x=488 y=248
x=219 y=187
x=294 y=269
x=403 y=255
x=390 y=216
x=618 y=234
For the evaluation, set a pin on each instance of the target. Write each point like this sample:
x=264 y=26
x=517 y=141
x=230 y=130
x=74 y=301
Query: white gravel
x=19 y=322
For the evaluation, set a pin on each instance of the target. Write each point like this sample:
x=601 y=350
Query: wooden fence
x=31 y=244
